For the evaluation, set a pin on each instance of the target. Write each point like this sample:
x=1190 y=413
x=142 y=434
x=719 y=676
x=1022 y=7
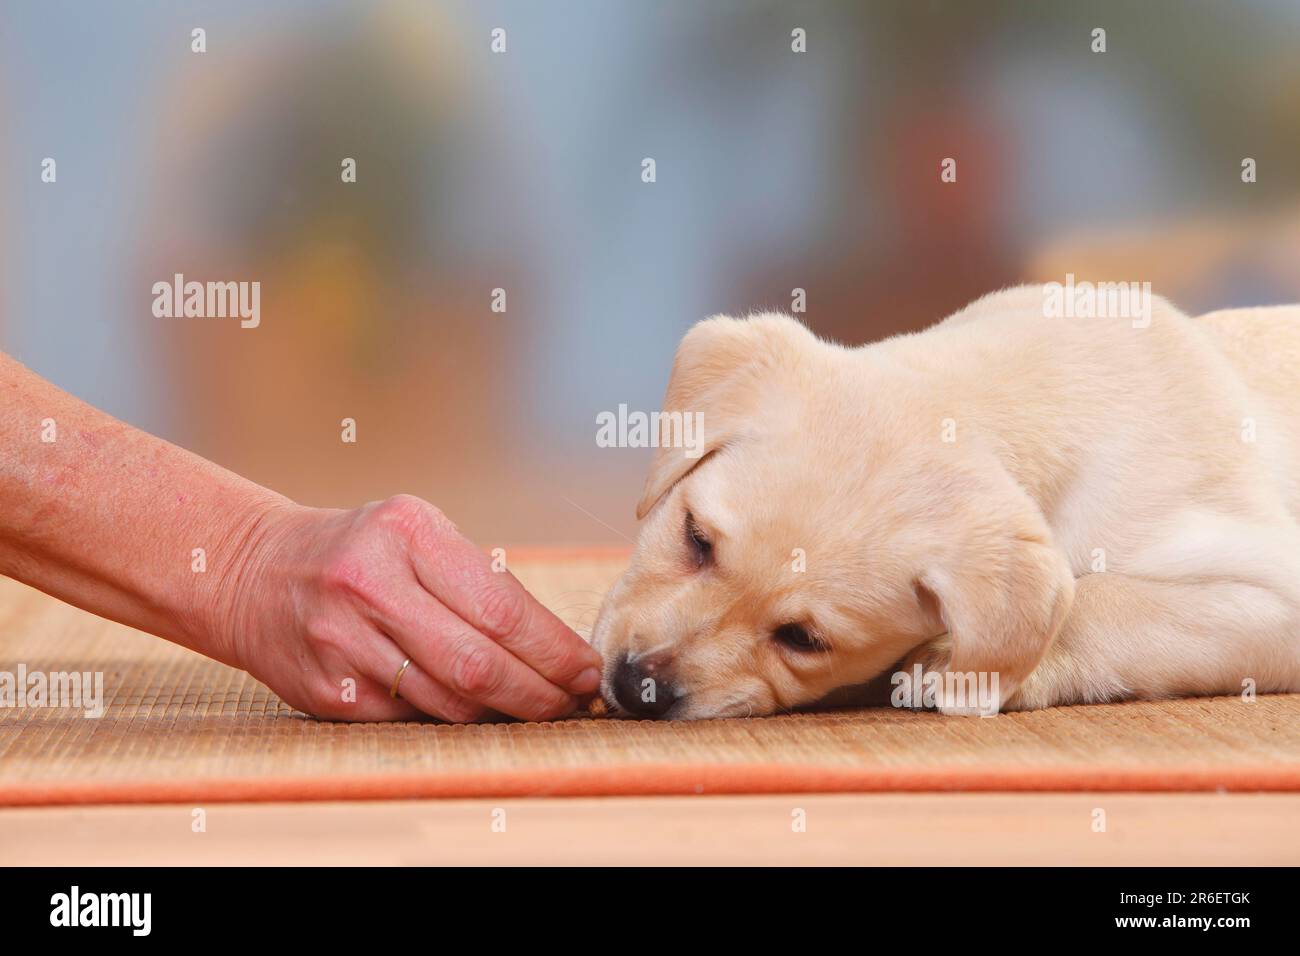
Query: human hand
x=319 y=596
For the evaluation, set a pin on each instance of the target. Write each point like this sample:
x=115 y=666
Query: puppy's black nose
x=641 y=688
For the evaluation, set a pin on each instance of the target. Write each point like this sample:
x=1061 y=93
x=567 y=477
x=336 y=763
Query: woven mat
x=180 y=728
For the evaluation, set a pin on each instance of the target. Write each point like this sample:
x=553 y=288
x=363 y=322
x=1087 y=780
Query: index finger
x=497 y=605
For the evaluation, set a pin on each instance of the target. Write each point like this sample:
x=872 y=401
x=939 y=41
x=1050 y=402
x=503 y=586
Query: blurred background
x=521 y=170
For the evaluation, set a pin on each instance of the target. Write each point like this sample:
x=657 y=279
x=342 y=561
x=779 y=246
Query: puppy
x=1085 y=509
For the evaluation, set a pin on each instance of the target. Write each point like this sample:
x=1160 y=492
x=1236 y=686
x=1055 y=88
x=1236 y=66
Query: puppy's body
x=1089 y=509
x=1163 y=457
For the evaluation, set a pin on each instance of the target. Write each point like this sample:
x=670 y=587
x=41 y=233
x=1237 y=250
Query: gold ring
x=392 y=691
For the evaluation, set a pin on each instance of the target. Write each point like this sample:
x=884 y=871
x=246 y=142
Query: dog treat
x=598 y=707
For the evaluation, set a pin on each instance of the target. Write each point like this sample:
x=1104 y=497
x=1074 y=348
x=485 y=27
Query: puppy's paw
x=1063 y=678
x=933 y=655
x=952 y=694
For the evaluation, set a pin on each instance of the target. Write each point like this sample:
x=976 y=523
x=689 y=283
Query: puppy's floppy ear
x=997 y=583
x=720 y=373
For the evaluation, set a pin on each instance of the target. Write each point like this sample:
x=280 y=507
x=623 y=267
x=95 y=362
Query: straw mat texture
x=180 y=728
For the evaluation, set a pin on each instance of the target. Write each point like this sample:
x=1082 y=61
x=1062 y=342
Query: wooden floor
x=176 y=718
x=877 y=829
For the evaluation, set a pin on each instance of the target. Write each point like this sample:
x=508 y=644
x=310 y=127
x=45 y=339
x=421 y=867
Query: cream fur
x=1075 y=441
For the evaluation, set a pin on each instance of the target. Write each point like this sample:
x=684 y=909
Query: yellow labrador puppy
x=1082 y=509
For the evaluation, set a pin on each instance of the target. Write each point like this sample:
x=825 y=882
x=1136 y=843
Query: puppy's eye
x=701 y=547
x=797 y=638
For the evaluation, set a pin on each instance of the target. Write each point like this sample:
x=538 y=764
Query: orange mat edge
x=650 y=780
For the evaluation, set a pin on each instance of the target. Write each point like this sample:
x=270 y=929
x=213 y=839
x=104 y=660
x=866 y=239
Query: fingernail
x=585 y=682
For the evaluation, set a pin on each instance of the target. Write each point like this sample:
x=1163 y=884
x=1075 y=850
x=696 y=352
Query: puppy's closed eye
x=698 y=543
x=798 y=638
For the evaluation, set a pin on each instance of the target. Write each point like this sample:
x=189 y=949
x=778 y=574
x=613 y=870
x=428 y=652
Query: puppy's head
x=818 y=533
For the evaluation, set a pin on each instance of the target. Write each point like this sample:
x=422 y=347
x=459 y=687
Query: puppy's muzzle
x=644 y=687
